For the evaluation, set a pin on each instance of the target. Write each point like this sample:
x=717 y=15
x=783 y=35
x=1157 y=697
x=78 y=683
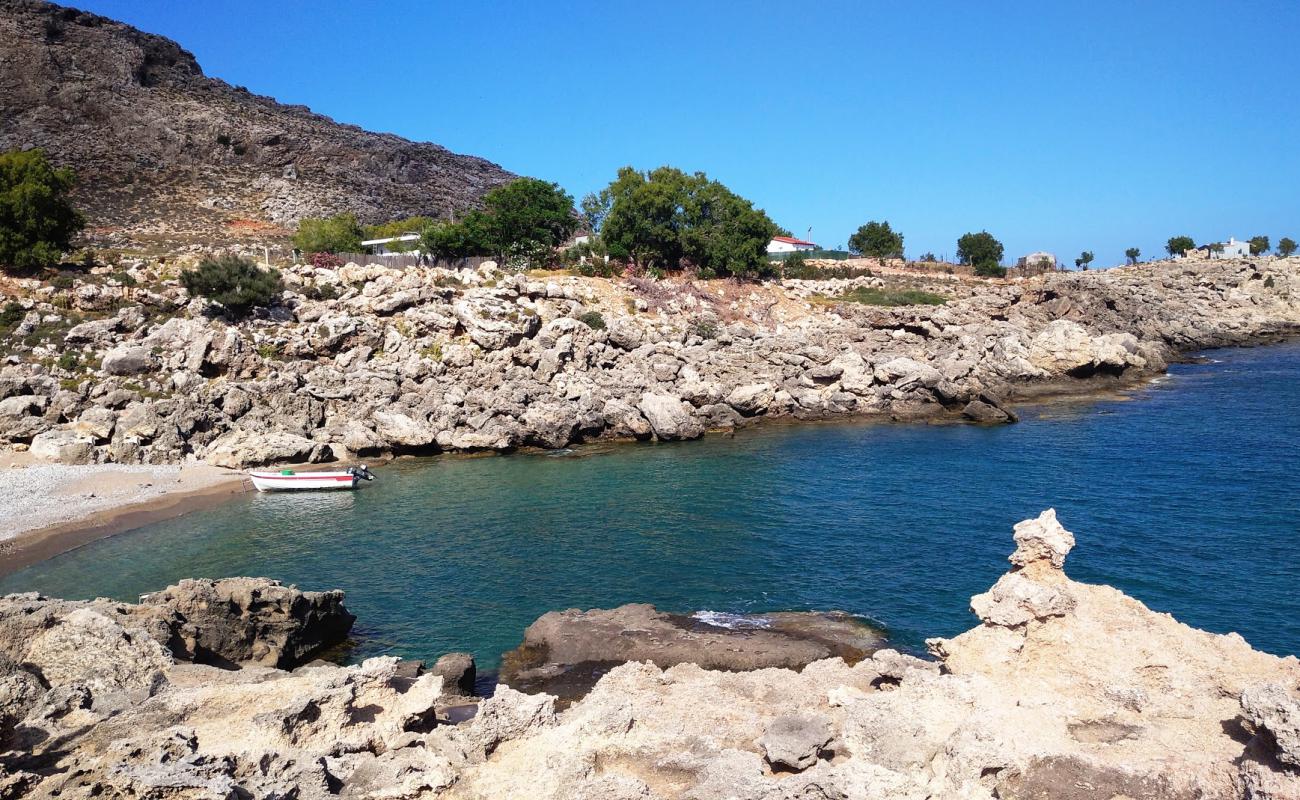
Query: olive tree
x=1259 y=245
x=1132 y=254
x=1177 y=245
x=1285 y=246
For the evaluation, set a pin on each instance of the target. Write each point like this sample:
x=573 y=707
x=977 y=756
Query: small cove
x=1183 y=494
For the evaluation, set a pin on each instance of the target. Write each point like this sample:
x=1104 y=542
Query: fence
x=406 y=260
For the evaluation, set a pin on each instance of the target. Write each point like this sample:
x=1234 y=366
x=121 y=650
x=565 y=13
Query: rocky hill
x=165 y=153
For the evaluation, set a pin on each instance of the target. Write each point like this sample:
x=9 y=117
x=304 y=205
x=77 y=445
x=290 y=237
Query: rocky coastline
x=1063 y=690
x=369 y=361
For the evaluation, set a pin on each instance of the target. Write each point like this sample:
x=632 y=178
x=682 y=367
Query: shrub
x=70 y=361
x=236 y=283
x=123 y=277
x=989 y=269
x=11 y=315
x=593 y=320
x=703 y=328
x=324 y=260
x=321 y=291
x=796 y=267
x=892 y=297
x=37 y=222
x=61 y=282
x=337 y=234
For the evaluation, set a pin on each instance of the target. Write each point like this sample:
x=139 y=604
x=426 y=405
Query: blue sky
x=1087 y=125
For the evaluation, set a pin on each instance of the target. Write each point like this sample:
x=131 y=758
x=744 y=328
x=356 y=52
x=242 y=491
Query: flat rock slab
x=566 y=652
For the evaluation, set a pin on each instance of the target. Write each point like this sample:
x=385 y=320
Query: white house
x=1231 y=249
x=394 y=245
x=789 y=244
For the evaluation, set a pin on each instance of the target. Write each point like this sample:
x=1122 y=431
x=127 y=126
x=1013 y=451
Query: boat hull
x=305 y=481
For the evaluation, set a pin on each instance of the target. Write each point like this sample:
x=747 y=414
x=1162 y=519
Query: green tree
x=981 y=251
x=1084 y=259
x=37 y=221
x=234 y=282
x=340 y=233
x=1132 y=254
x=398 y=227
x=1258 y=245
x=595 y=207
x=451 y=240
x=1177 y=245
x=526 y=218
x=877 y=240
x=1285 y=246
x=666 y=219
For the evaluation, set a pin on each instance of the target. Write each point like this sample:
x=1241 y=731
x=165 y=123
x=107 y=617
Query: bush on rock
x=236 y=283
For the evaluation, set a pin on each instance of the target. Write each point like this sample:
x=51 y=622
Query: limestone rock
x=1041 y=539
x=128 y=361
x=795 y=741
x=458 y=673
x=1274 y=713
x=64 y=446
x=669 y=417
x=242 y=448
x=256 y=620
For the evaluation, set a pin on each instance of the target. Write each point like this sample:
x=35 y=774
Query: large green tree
x=877 y=240
x=1285 y=246
x=525 y=218
x=1133 y=254
x=981 y=251
x=37 y=221
x=1085 y=258
x=1177 y=245
x=1258 y=245
x=667 y=219
x=340 y=233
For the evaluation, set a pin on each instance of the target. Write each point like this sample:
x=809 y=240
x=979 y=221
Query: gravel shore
x=36 y=496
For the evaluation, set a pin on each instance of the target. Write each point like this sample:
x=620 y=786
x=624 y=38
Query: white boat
x=286 y=480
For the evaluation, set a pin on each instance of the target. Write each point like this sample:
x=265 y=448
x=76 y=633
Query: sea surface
x=1184 y=494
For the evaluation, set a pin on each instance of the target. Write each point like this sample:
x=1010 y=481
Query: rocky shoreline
x=1063 y=690
x=372 y=361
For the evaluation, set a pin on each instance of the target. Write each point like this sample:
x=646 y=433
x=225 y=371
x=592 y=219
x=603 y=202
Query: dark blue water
x=1184 y=495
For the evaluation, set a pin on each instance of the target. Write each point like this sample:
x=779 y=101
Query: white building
x=1231 y=249
x=1041 y=260
x=406 y=244
x=789 y=244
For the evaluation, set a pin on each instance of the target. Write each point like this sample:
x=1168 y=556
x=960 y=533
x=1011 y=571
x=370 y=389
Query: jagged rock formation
x=164 y=152
x=1100 y=699
x=430 y=360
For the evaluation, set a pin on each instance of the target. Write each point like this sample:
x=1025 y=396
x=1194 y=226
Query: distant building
x=789 y=244
x=1230 y=249
x=393 y=245
x=1039 y=260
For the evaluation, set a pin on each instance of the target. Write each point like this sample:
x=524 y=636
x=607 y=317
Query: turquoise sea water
x=1185 y=496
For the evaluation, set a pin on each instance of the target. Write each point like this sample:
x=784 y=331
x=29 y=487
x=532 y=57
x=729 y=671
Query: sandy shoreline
x=47 y=509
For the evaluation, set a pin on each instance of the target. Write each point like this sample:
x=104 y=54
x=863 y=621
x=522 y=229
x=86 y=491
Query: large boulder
x=256 y=620
x=64 y=446
x=669 y=417
x=242 y=448
x=128 y=360
x=563 y=652
x=796 y=741
x=493 y=323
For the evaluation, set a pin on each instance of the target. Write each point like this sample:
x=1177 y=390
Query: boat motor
x=361 y=472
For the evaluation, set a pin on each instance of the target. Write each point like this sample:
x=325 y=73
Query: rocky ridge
x=1063 y=690
x=370 y=361
x=164 y=153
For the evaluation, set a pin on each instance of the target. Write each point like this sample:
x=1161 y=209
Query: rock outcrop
x=164 y=153
x=1105 y=699
x=486 y=359
x=565 y=652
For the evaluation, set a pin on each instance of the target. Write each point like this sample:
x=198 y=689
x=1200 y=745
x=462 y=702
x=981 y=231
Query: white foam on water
x=723 y=619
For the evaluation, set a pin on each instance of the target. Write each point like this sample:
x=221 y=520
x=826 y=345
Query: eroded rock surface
x=1105 y=699
x=423 y=360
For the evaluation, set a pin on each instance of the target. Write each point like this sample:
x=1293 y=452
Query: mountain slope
x=164 y=152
